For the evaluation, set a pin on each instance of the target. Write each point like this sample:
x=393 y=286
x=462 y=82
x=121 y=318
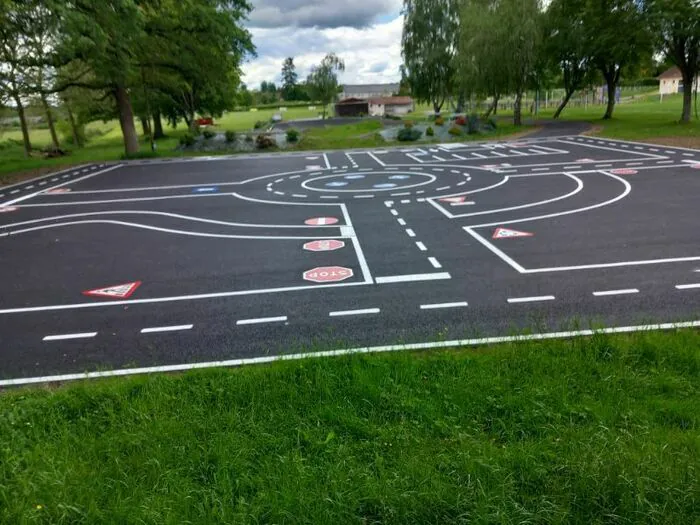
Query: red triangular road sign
x=454 y=200
x=504 y=233
x=118 y=291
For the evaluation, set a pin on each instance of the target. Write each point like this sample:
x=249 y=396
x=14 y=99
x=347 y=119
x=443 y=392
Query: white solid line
x=516 y=300
x=687 y=286
x=262 y=320
x=541 y=169
x=439 y=159
x=616 y=292
x=349 y=351
x=421 y=246
x=495 y=250
x=375 y=158
x=159 y=329
x=366 y=274
x=401 y=221
x=401 y=194
x=443 y=305
x=435 y=262
x=364 y=197
x=478 y=156
x=328 y=164
x=410 y=232
x=328 y=196
x=366 y=169
x=355 y=312
x=413 y=278
x=64 y=337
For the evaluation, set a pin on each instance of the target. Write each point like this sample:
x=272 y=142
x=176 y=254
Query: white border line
x=350 y=351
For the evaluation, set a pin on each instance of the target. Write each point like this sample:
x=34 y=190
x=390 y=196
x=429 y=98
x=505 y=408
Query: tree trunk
x=517 y=110
x=563 y=104
x=145 y=126
x=23 y=125
x=77 y=140
x=437 y=107
x=492 y=108
x=611 y=97
x=126 y=120
x=687 y=99
x=157 y=127
x=496 y=100
x=49 y=120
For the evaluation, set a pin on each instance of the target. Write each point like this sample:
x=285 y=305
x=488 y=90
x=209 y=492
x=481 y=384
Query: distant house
x=382 y=106
x=352 y=107
x=671 y=81
x=369 y=90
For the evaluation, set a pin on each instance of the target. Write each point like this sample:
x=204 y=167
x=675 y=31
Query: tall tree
x=677 y=24
x=289 y=79
x=428 y=45
x=323 y=80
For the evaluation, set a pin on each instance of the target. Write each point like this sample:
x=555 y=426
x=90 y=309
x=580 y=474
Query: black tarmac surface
x=428 y=244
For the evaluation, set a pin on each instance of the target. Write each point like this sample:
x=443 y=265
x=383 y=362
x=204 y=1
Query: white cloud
x=318 y=13
x=371 y=54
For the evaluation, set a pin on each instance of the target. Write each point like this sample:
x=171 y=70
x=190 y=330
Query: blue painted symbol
x=399 y=177
x=205 y=190
x=385 y=185
x=336 y=184
x=353 y=177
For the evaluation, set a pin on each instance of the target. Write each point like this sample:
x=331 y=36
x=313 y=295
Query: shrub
x=265 y=141
x=408 y=124
x=473 y=125
x=249 y=138
x=492 y=123
x=260 y=124
x=292 y=135
x=208 y=134
x=230 y=136
x=461 y=121
x=187 y=140
x=409 y=134
x=455 y=131
x=66 y=132
x=430 y=132
x=439 y=121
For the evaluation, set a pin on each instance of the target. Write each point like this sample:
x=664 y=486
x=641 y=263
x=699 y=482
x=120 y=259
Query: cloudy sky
x=366 y=34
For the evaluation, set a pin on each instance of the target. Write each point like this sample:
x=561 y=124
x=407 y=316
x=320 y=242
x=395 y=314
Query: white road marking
x=666 y=162
x=375 y=158
x=421 y=246
x=688 y=155
x=603 y=165
x=435 y=262
x=405 y=201
x=401 y=194
x=42 y=183
x=478 y=156
x=329 y=196
x=410 y=232
x=439 y=159
x=413 y=278
x=366 y=169
x=458 y=157
x=365 y=311
x=262 y=320
x=364 y=197
x=635 y=164
x=395 y=213
x=160 y=329
x=443 y=188
x=64 y=337
x=14 y=191
x=29 y=187
x=687 y=286
x=443 y=305
x=571 y=167
x=278 y=193
x=462 y=183
x=279 y=180
x=328 y=164
x=401 y=222
x=388 y=204
x=517 y=300
x=606 y=293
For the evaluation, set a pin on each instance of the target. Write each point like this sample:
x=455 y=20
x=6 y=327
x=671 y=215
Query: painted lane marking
x=401 y=222
x=299 y=196
x=388 y=204
x=443 y=188
x=405 y=201
x=606 y=293
x=517 y=300
x=421 y=246
x=262 y=320
x=278 y=193
x=634 y=164
x=160 y=329
x=364 y=197
x=64 y=337
x=401 y=194
x=365 y=311
x=688 y=155
x=29 y=187
x=329 y=196
x=443 y=305
x=571 y=167
x=395 y=213
x=436 y=264
x=14 y=191
x=666 y=162
x=279 y=180
x=687 y=286
x=410 y=232
x=541 y=169
x=413 y=278
x=603 y=165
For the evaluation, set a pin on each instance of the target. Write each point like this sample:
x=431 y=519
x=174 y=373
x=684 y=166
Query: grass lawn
x=586 y=431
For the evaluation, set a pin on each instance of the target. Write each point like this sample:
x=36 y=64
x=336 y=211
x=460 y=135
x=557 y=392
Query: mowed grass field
x=601 y=430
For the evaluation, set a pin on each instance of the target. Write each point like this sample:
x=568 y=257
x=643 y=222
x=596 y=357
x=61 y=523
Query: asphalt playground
x=165 y=265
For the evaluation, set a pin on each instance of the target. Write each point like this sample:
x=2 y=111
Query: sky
x=366 y=34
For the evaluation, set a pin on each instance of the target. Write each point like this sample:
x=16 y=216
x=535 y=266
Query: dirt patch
x=593 y=131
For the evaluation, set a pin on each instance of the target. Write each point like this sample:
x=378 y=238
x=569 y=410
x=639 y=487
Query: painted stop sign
x=328 y=274
x=324 y=245
x=624 y=171
x=321 y=221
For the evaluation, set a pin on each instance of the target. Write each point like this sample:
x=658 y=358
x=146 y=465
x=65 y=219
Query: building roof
x=351 y=89
x=670 y=74
x=352 y=100
x=392 y=101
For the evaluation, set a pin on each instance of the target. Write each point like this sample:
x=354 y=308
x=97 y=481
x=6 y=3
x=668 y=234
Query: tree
x=677 y=24
x=428 y=46
x=289 y=79
x=323 y=80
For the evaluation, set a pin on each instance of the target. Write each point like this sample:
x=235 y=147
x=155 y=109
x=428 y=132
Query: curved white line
x=431 y=178
x=479 y=190
x=139 y=199
x=154 y=228
x=282 y=203
x=579 y=187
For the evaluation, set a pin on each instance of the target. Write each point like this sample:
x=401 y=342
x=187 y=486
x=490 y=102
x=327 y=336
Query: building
x=383 y=106
x=369 y=90
x=352 y=107
x=671 y=81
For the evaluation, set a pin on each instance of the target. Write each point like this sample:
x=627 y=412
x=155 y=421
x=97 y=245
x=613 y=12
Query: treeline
x=158 y=60
x=465 y=50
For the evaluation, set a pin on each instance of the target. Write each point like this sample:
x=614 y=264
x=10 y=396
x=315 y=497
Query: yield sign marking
x=454 y=200
x=117 y=291
x=504 y=233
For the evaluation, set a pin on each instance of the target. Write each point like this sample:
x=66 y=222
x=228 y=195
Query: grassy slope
x=601 y=430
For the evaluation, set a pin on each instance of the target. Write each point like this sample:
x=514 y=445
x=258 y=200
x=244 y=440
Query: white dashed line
x=388 y=204
x=416 y=169
x=410 y=232
x=278 y=193
x=406 y=201
x=516 y=300
x=616 y=292
x=29 y=187
x=14 y=191
x=299 y=196
x=687 y=286
x=401 y=194
x=671 y=152
x=443 y=305
x=366 y=169
x=421 y=246
x=688 y=154
x=279 y=180
x=365 y=311
x=461 y=183
x=65 y=337
x=262 y=320
x=540 y=169
x=159 y=329
x=43 y=183
x=364 y=197
x=443 y=188
x=329 y=196
x=413 y=278
x=401 y=222
x=603 y=165
x=666 y=162
x=635 y=164
x=435 y=262
x=394 y=212
x=571 y=167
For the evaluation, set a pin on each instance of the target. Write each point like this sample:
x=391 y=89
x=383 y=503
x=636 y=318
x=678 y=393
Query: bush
x=439 y=121
x=265 y=141
x=461 y=121
x=66 y=132
x=455 y=131
x=492 y=123
x=430 y=132
x=260 y=124
x=230 y=136
x=208 y=134
x=409 y=134
x=473 y=125
x=187 y=140
x=249 y=138
x=292 y=135
x=408 y=124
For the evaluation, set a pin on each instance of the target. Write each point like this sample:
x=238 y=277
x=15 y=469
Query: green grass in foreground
x=599 y=430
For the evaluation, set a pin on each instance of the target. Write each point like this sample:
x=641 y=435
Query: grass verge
x=596 y=430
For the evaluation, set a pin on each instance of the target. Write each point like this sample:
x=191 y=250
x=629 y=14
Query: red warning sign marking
x=324 y=246
x=328 y=274
x=321 y=221
x=58 y=190
x=118 y=291
x=454 y=200
x=504 y=233
x=8 y=209
x=624 y=171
